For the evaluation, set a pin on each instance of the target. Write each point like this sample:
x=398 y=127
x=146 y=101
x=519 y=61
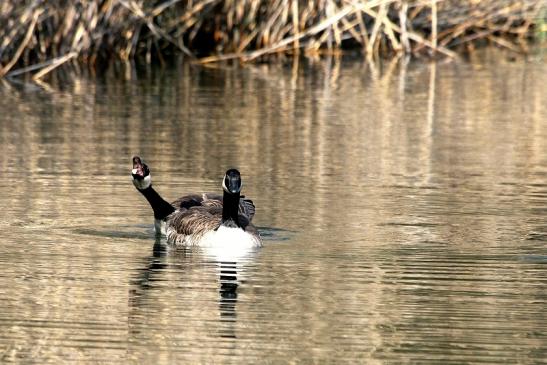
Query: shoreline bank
x=39 y=36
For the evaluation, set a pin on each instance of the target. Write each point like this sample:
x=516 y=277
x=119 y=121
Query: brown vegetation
x=39 y=35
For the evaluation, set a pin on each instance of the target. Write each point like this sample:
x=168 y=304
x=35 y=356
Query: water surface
x=403 y=207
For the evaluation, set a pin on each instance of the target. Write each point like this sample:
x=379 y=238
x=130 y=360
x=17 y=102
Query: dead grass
x=38 y=35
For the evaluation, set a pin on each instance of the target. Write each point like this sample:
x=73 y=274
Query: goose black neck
x=161 y=208
x=230 y=208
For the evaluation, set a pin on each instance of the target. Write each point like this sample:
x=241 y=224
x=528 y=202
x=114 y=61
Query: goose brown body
x=197 y=215
x=196 y=219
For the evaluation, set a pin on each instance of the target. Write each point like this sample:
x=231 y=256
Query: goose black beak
x=140 y=170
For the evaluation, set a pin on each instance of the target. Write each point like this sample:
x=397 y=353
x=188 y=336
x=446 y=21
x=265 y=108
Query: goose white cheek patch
x=142 y=184
x=224 y=184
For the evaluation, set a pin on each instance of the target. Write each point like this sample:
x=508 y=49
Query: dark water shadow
x=153 y=266
x=145 y=235
x=275 y=234
x=147 y=232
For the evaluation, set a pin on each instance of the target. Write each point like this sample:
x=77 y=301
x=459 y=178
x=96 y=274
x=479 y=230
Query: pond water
x=403 y=207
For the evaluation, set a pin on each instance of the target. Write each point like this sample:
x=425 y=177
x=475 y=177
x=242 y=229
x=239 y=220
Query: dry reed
x=39 y=35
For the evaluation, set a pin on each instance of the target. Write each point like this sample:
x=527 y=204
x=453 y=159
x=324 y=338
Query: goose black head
x=232 y=182
x=141 y=174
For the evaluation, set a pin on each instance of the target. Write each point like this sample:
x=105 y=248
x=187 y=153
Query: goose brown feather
x=186 y=227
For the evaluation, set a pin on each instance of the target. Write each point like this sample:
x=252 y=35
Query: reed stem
x=39 y=35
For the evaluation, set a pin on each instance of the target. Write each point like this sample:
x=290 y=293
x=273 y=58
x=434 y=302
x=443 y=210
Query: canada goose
x=201 y=220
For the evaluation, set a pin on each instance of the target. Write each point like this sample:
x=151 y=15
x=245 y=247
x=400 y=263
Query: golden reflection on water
x=403 y=205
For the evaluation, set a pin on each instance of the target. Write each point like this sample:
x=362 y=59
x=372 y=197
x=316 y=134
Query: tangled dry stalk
x=37 y=36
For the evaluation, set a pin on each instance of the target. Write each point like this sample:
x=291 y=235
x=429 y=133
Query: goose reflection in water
x=179 y=274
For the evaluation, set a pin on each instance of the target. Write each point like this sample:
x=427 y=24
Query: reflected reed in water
x=402 y=204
